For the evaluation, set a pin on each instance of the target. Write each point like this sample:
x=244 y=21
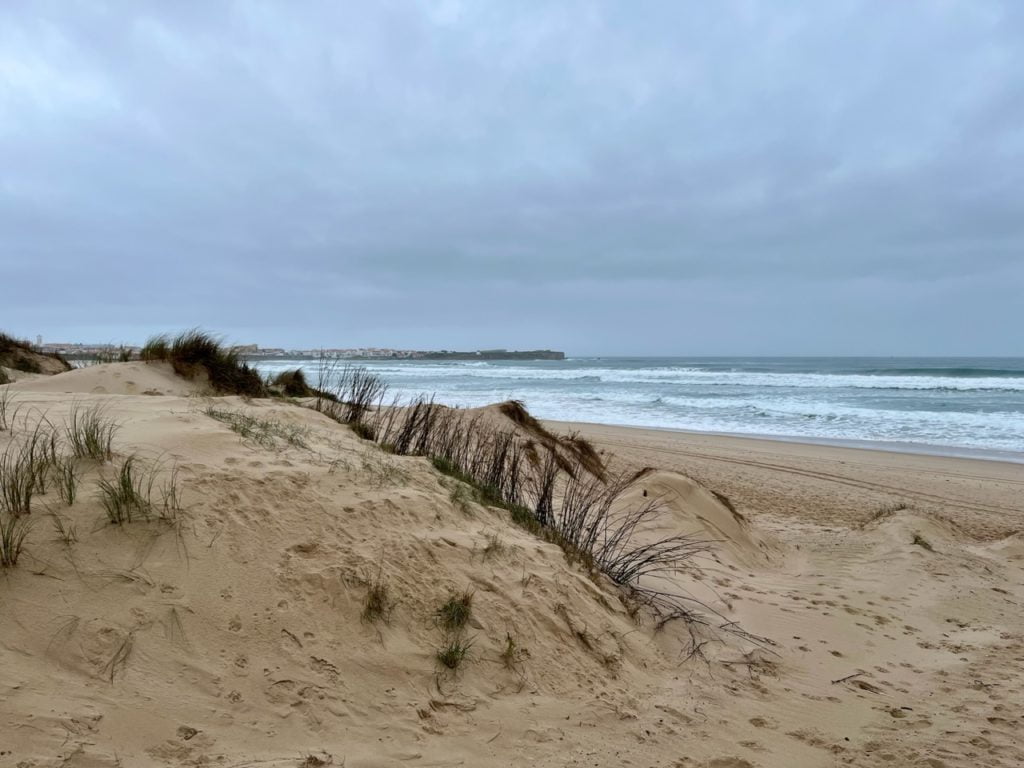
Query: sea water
x=944 y=402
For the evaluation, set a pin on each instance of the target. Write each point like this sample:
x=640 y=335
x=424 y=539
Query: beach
x=845 y=606
x=828 y=484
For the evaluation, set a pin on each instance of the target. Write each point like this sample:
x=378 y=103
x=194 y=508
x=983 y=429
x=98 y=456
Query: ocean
x=951 y=403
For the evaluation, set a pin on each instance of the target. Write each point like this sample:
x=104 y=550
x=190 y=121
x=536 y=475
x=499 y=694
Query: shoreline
x=881 y=446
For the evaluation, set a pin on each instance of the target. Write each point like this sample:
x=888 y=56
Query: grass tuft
x=66 y=532
x=13 y=530
x=455 y=613
x=454 y=651
x=129 y=495
x=67 y=480
x=377 y=605
x=90 y=433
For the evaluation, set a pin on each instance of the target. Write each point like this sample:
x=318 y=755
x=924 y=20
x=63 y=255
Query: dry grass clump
x=513 y=654
x=377 y=604
x=348 y=394
x=193 y=352
x=578 y=450
x=265 y=432
x=494 y=546
x=90 y=433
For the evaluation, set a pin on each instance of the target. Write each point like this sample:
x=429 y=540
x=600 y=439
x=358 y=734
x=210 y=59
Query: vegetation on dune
x=454 y=651
x=558 y=489
x=292 y=383
x=455 y=612
x=378 y=603
x=348 y=394
x=90 y=433
x=112 y=354
x=578 y=450
x=265 y=432
x=194 y=352
x=22 y=356
x=133 y=493
x=453 y=617
x=13 y=530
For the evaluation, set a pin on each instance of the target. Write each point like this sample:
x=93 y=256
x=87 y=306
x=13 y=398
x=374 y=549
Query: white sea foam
x=953 y=406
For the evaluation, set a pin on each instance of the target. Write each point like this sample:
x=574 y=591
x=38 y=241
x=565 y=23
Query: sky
x=677 y=178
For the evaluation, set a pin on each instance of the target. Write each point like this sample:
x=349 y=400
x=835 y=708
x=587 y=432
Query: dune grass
x=13 y=530
x=133 y=493
x=559 y=489
x=264 y=432
x=348 y=395
x=454 y=651
x=128 y=495
x=18 y=481
x=67 y=479
x=66 y=532
x=195 y=352
x=455 y=612
x=90 y=433
x=452 y=617
x=378 y=603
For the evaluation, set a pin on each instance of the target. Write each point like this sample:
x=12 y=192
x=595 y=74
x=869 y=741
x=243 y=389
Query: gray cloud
x=678 y=177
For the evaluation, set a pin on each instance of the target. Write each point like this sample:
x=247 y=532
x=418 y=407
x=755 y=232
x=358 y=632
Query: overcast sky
x=600 y=177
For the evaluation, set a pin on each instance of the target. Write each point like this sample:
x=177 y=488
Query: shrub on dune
x=292 y=383
x=195 y=351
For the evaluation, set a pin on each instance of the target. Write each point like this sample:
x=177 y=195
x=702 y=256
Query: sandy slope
x=235 y=638
x=936 y=635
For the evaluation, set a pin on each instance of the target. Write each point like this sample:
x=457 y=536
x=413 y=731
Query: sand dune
x=235 y=636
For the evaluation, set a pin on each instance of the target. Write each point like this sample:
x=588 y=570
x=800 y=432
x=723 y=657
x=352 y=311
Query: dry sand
x=235 y=639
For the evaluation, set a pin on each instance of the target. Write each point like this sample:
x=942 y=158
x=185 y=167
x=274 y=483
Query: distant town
x=76 y=351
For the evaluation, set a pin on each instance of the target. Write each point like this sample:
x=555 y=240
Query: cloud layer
x=679 y=177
